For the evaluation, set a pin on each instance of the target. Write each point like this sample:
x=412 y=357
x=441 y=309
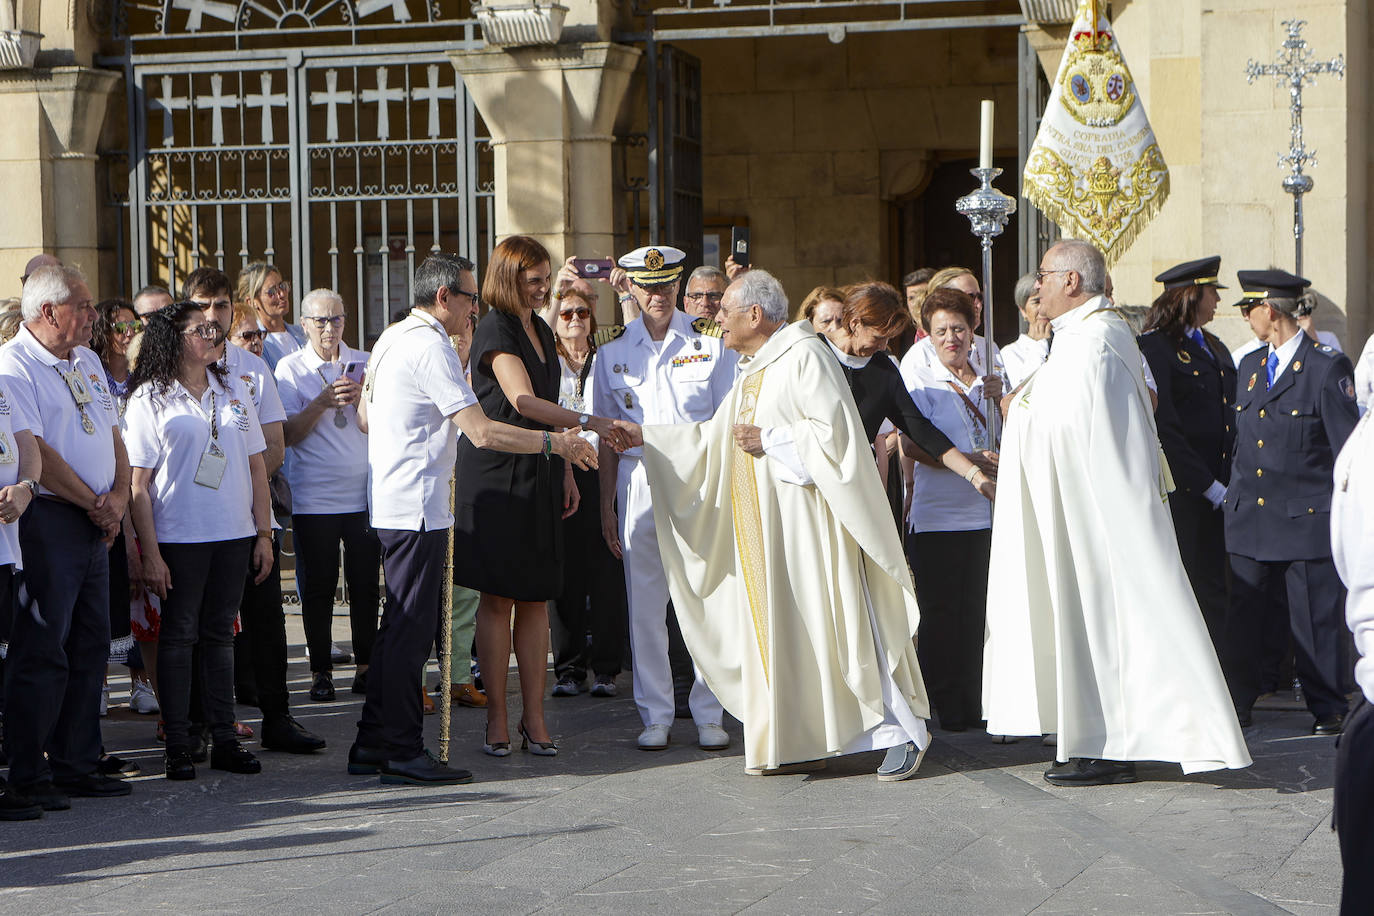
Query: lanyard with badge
x=213 y=461
x=977 y=425
x=81 y=394
x=340 y=420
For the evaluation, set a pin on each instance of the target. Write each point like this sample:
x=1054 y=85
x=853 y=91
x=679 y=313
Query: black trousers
x=317 y=573
x=1201 y=534
x=950 y=569
x=1311 y=593
x=392 y=719
x=1354 y=810
x=264 y=629
x=198 y=620
x=593 y=595
x=59 y=644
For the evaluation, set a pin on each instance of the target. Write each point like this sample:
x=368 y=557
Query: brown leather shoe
x=426 y=702
x=467 y=695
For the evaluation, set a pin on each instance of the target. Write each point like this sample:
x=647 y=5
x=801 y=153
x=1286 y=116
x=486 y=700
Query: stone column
x=550 y=113
x=51 y=121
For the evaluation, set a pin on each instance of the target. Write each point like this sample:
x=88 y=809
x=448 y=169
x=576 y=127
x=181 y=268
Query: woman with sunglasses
x=590 y=570
x=200 y=507
x=244 y=332
x=262 y=289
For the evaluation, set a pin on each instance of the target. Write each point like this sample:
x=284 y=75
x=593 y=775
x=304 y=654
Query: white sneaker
x=653 y=738
x=104 y=701
x=711 y=737
x=143 y=700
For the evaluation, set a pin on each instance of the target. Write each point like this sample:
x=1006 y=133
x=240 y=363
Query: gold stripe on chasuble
x=744 y=502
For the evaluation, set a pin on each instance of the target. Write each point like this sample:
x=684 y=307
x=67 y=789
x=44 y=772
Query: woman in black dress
x=508 y=508
x=873 y=313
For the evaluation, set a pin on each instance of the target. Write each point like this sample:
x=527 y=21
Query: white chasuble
x=794 y=599
x=1093 y=629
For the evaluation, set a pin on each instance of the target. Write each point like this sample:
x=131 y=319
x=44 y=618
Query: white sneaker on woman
x=143 y=700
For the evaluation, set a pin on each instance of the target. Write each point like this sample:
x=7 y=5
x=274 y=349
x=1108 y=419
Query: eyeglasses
x=209 y=331
x=127 y=327
x=334 y=321
x=580 y=312
x=476 y=299
x=250 y=336
x=1042 y=274
x=282 y=289
x=709 y=297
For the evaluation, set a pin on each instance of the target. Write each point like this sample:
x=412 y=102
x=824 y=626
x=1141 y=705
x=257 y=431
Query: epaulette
x=706 y=326
x=607 y=334
x=1323 y=348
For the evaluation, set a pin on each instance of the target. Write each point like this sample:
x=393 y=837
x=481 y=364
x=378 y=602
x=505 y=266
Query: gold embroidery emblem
x=653 y=259
x=1183 y=357
x=1251 y=386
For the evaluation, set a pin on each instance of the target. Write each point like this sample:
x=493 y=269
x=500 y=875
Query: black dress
x=881 y=395
x=508 y=536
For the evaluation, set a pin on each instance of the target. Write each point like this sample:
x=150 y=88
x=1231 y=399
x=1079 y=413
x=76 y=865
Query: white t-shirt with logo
x=327 y=469
x=169 y=432
x=34 y=381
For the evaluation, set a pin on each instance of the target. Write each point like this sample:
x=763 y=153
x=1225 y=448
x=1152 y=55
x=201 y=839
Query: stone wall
x=810 y=141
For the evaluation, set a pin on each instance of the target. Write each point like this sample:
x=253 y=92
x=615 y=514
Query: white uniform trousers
x=646 y=587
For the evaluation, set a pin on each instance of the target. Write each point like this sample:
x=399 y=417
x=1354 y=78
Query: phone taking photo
x=739 y=245
x=593 y=268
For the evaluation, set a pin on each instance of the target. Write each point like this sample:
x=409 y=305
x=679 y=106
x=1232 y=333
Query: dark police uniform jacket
x=1278 y=504
x=1196 y=415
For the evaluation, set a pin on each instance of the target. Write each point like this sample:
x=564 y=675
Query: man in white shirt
x=413 y=398
x=1352 y=545
x=60 y=640
x=261 y=612
x=319 y=386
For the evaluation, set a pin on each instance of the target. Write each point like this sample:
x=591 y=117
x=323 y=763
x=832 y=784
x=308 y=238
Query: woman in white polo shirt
x=327 y=470
x=950 y=523
x=202 y=513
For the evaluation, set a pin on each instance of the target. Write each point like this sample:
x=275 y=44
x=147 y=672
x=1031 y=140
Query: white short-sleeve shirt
x=33 y=380
x=327 y=469
x=10 y=424
x=258 y=379
x=414 y=385
x=169 y=432
x=941 y=500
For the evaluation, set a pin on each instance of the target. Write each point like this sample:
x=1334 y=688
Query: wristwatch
x=584 y=420
x=31 y=484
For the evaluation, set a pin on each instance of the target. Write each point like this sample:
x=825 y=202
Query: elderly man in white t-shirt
x=320 y=385
x=413 y=398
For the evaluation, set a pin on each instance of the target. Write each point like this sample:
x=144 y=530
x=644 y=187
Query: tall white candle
x=985 y=137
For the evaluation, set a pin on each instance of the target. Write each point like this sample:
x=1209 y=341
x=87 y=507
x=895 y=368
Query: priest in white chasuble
x=791 y=587
x=1093 y=629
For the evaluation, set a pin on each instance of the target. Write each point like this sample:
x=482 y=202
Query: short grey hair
x=1284 y=304
x=707 y=272
x=52 y=284
x=759 y=287
x=439 y=269
x=1084 y=259
x=1025 y=288
x=321 y=295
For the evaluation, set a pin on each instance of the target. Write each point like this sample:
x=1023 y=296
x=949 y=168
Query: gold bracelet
x=972 y=473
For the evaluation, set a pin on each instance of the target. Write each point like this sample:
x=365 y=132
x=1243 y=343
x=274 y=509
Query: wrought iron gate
x=343 y=166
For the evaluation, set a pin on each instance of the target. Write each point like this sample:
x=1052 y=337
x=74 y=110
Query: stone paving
x=606 y=828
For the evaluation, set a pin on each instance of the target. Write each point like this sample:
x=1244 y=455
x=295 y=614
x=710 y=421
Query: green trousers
x=463 y=626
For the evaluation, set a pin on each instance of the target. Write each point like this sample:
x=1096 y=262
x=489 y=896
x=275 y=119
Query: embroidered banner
x=1095 y=167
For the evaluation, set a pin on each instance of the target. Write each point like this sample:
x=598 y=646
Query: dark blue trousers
x=1354 y=815
x=59 y=645
x=392 y=719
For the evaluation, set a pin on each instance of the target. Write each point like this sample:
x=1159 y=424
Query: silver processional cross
x=1295 y=68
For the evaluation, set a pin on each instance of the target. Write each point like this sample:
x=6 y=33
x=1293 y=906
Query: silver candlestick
x=1295 y=68
x=987 y=210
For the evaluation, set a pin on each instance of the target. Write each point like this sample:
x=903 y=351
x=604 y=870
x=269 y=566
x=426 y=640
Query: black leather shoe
x=322 y=691
x=234 y=758
x=1329 y=725
x=283 y=733
x=425 y=770
x=110 y=765
x=200 y=744
x=178 y=764
x=44 y=794
x=365 y=761
x=94 y=786
x=16 y=807
x=359 y=683
x=1084 y=771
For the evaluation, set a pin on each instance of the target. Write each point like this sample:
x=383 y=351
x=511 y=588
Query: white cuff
x=1215 y=494
x=787 y=464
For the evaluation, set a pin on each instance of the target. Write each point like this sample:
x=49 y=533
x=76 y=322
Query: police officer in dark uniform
x=1196 y=420
x=1295 y=406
